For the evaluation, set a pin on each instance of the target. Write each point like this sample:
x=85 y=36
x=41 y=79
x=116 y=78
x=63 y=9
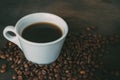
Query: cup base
x=42 y=62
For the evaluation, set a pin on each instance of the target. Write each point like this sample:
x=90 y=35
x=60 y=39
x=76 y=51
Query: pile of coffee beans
x=81 y=58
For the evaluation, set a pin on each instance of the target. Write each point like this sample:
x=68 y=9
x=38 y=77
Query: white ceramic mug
x=41 y=53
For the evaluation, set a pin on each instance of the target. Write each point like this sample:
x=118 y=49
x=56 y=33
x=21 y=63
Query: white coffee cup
x=40 y=53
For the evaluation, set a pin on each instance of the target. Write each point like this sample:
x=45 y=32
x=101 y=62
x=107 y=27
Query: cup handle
x=10 y=37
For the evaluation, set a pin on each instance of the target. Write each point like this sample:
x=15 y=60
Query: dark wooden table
x=105 y=14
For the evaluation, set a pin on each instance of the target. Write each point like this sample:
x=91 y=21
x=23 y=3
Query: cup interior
x=41 y=17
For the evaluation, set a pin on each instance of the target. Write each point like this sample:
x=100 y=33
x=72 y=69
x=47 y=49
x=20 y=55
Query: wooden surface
x=105 y=14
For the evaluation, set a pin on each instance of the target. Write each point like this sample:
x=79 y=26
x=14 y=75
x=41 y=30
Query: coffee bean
x=66 y=71
x=20 y=78
x=7 y=55
x=81 y=56
x=26 y=73
x=88 y=29
x=3 y=66
x=2 y=70
x=2 y=56
x=30 y=63
x=9 y=58
x=26 y=69
x=82 y=72
x=43 y=72
x=14 y=77
x=9 y=43
x=25 y=65
x=36 y=71
x=19 y=72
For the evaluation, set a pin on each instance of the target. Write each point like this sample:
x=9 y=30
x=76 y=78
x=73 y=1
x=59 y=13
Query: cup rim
x=46 y=43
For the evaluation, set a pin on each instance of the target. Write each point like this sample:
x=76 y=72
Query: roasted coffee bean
x=7 y=55
x=30 y=63
x=25 y=65
x=20 y=78
x=2 y=56
x=81 y=56
x=14 y=77
x=9 y=58
x=26 y=73
x=82 y=72
x=10 y=43
x=43 y=72
x=88 y=29
x=36 y=71
x=19 y=72
x=3 y=66
x=2 y=70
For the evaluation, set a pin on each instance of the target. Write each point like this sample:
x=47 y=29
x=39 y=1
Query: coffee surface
x=42 y=32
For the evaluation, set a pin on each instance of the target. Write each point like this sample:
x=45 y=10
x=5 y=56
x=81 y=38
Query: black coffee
x=42 y=32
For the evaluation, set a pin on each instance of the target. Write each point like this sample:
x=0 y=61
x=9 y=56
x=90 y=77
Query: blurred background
x=105 y=14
